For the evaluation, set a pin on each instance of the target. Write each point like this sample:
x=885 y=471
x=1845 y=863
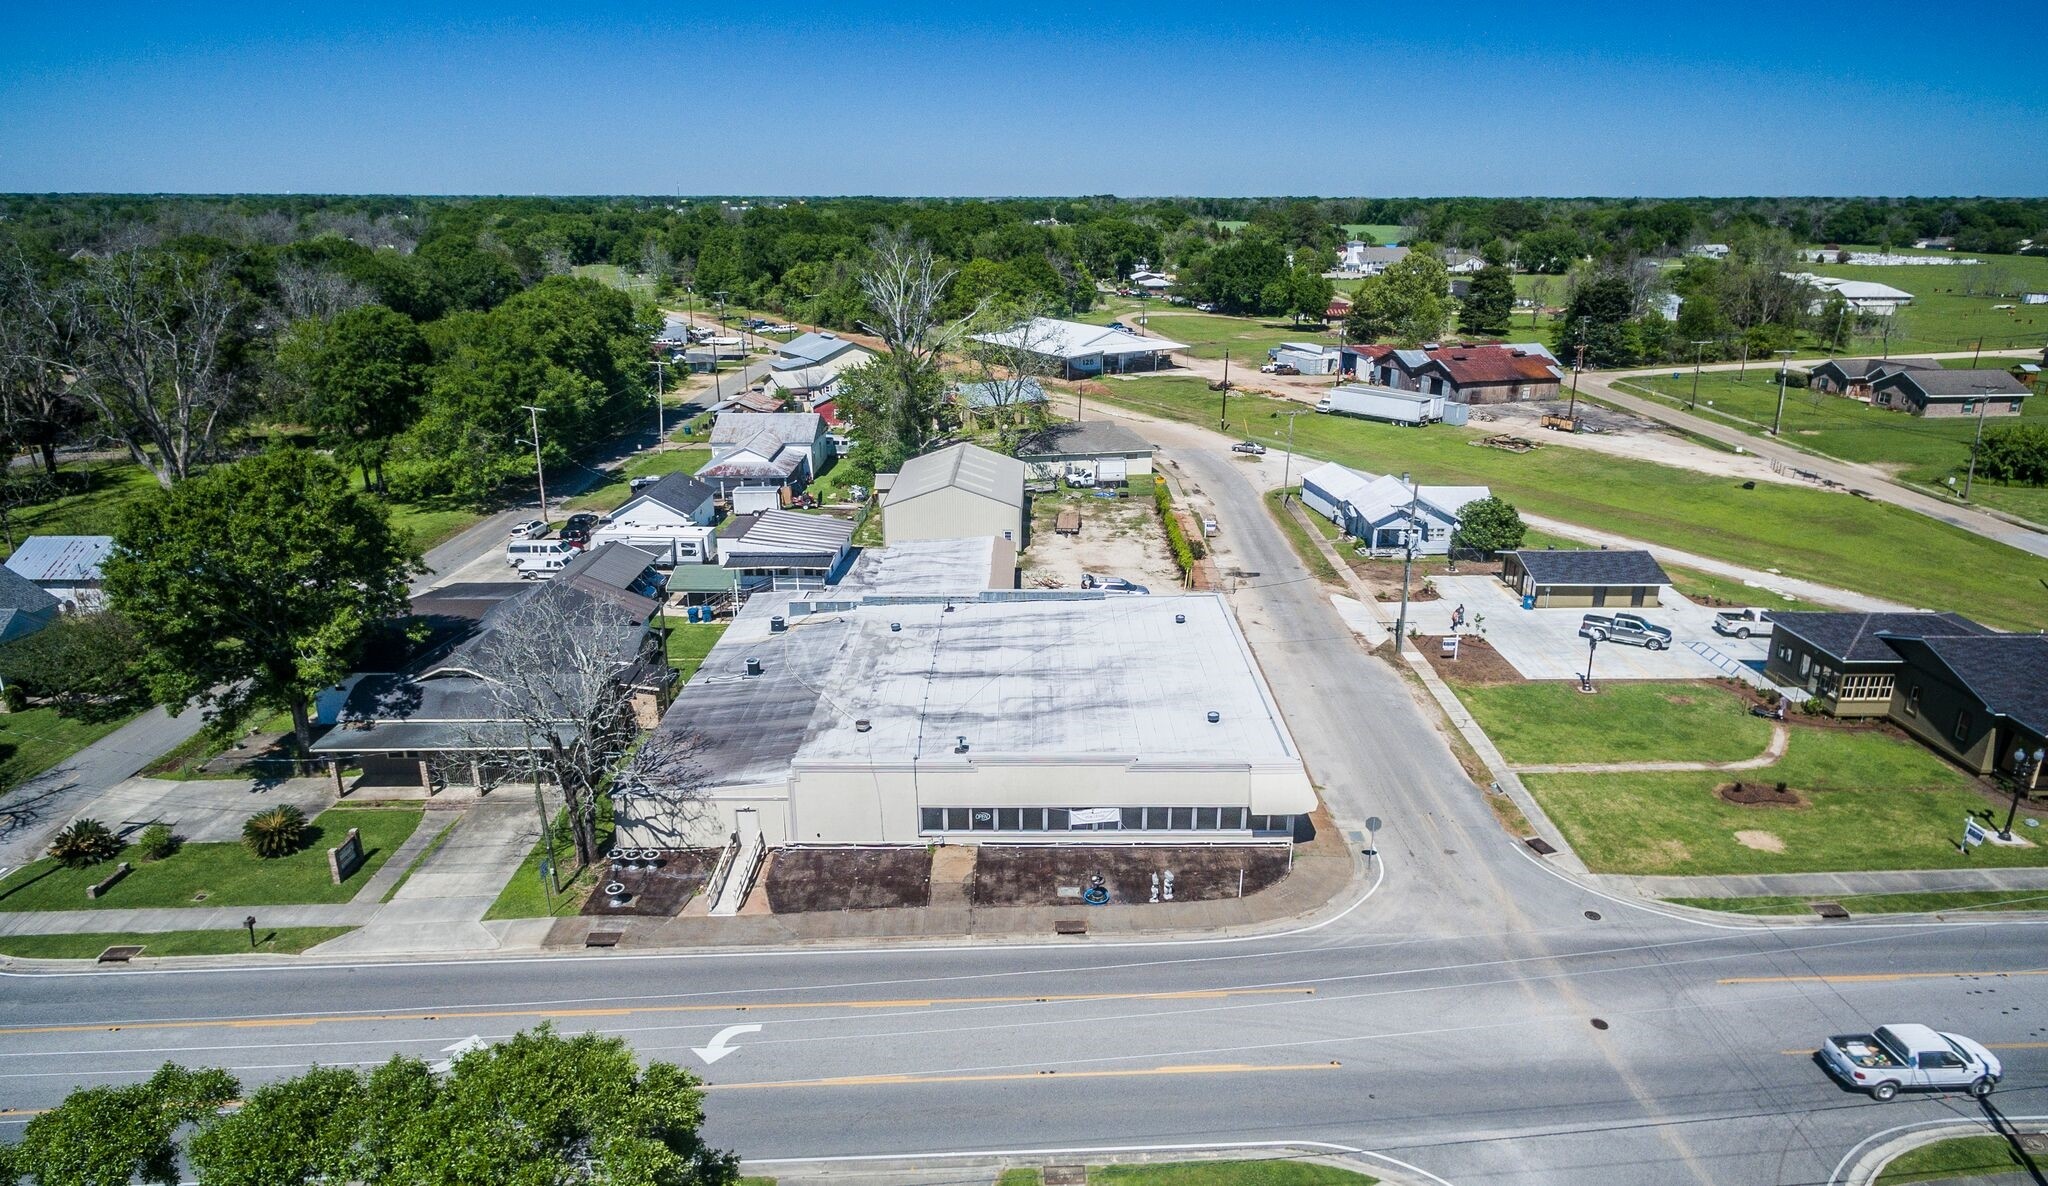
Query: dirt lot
x=1477 y=661
x=806 y=879
x=1622 y=434
x=1030 y=875
x=659 y=892
x=1119 y=537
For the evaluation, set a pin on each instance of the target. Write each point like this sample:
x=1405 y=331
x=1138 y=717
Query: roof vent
x=1214 y=716
x=862 y=725
x=1180 y=619
x=753 y=666
x=777 y=624
x=895 y=627
x=960 y=744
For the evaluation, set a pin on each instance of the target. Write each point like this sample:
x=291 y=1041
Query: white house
x=66 y=567
x=810 y=365
x=1086 y=349
x=954 y=493
x=1378 y=512
x=766 y=449
x=1362 y=259
x=670 y=520
x=1863 y=296
x=787 y=547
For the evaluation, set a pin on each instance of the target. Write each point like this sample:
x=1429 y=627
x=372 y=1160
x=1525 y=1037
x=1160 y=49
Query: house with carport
x=1102 y=451
x=1081 y=350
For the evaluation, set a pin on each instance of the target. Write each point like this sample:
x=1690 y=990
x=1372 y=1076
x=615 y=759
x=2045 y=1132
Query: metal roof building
x=956 y=492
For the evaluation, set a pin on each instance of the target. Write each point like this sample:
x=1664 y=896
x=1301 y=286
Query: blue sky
x=791 y=97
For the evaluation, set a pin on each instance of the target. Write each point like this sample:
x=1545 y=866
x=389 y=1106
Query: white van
x=538 y=557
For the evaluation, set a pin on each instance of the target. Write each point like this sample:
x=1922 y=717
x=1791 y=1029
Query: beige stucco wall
x=950 y=513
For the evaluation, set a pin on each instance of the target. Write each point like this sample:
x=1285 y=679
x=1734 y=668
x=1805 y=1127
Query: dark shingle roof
x=2008 y=672
x=1592 y=567
x=1866 y=368
x=17 y=592
x=1855 y=638
x=1083 y=437
x=679 y=492
x=1959 y=384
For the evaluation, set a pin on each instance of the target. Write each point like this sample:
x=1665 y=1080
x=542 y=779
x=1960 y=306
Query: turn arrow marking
x=718 y=1049
x=472 y=1042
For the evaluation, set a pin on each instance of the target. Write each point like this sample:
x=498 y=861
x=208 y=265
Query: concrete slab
x=203 y=809
x=1545 y=643
x=479 y=855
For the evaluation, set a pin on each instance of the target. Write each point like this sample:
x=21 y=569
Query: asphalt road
x=1447 y=1019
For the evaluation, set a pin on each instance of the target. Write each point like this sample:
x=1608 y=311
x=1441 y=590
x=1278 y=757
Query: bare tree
x=561 y=672
x=906 y=289
x=1011 y=359
x=158 y=337
x=304 y=292
x=39 y=351
x=657 y=264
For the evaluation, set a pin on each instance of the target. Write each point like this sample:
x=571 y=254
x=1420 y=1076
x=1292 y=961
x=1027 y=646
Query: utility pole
x=1578 y=360
x=1698 y=348
x=1407 y=563
x=1287 y=469
x=1983 y=401
x=1784 y=364
x=660 y=386
x=540 y=476
x=1223 y=408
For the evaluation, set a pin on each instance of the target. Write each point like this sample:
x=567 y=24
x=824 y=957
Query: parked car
x=1080 y=479
x=1325 y=404
x=1284 y=368
x=636 y=485
x=1205 y=307
x=1628 y=628
x=1120 y=325
x=577 y=530
x=1741 y=623
x=1252 y=447
x=531 y=529
x=1269 y=368
x=1110 y=584
x=1904 y=1057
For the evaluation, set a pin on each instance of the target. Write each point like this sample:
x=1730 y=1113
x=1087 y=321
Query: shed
x=1573 y=578
x=959 y=491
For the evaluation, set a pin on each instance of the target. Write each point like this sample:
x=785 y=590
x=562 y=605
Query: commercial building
x=1086 y=349
x=1105 y=452
x=1493 y=374
x=1550 y=578
x=1020 y=717
x=956 y=492
x=932 y=567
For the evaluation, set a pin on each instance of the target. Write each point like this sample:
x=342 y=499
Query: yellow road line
x=1222 y=1068
x=1875 y=977
x=639 y=1010
x=1987 y=1046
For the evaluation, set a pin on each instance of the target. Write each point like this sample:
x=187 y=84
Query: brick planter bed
x=1031 y=875
x=807 y=879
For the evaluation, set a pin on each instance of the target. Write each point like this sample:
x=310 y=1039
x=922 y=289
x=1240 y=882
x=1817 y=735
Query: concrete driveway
x=1545 y=643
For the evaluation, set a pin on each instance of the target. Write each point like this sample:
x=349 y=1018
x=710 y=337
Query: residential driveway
x=440 y=908
x=1545 y=643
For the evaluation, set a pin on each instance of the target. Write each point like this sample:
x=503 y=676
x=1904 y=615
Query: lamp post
x=2024 y=766
x=1698 y=349
x=1592 y=644
x=1784 y=364
x=1407 y=563
x=540 y=476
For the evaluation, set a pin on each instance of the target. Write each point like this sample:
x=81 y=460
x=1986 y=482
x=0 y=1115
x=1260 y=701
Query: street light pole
x=540 y=476
x=1592 y=644
x=1407 y=563
x=1983 y=401
x=1698 y=348
x=1784 y=364
x=2025 y=766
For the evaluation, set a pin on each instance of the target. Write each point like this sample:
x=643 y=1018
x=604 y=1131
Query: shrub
x=15 y=698
x=157 y=841
x=276 y=832
x=1185 y=551
x=86 y=842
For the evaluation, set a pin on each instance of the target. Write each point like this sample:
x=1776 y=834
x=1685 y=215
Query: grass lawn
x=89 y=500
x=616 y=489
x=1873 y=801
x=1942 y=317
x=1628 y=721
x=1957 y=1157
x=271 y=941
x=1207 y=1173
x=1975 y=901
x=1383 y=233
x=637 y=283
x=225 y=871
x=527 y=895
x=1210 y=334
x=35 y=739
x=1297 y=535
x=688 y=643
x=1695 y=585
x=1920 y=451
x=1807 y=533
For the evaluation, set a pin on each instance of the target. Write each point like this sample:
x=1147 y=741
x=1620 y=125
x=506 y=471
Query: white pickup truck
x=1741 y=623
x=1903 y=1057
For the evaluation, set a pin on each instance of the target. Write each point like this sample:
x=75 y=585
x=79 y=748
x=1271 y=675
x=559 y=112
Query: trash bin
x=1528 y=601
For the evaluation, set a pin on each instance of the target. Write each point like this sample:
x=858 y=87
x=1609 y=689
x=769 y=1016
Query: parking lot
x=1545 y=643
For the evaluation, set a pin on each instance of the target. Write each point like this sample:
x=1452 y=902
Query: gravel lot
x=1119 y=537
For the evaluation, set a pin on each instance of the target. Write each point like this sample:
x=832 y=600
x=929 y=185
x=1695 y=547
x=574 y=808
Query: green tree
x=255 y=583
x=1597 y=316
x=1490 y=304
x=2015 y=454
x=1699 y=320
x=1490 y=525
x=1409 y=302
x=361 y=375
x=1248 y=274
x=108 y=1136
x=1309 y=292
x=83 y=664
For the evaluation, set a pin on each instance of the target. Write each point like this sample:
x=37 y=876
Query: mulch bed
x=1031 y=875
x=659 y=892
x=1758 y=794
x=1477 y=661
x=808 y=879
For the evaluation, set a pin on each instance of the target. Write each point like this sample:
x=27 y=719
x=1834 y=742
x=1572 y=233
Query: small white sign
x=1973 y=832
x=1083 y=816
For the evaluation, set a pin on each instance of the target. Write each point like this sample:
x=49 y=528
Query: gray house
x=24 y=608
x=766 y=449
x=1950 y=393
x=1550 y=578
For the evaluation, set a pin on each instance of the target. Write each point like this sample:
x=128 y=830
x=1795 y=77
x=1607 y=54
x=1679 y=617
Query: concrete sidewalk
x=183 y=918
x=440 y=908
x=2020 y=882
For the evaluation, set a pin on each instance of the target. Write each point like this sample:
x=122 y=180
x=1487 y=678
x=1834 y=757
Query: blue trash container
x=1528 y=601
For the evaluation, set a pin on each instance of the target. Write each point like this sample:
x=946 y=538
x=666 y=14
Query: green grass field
x=1210 y=334
x=1801 y=532
x=35 y=739
x=1551 y=722
x=1920 y=451
x=1873 y=801
x=1942 y=316
x=269 y=941
x=1957 y=1157
x=1974 y=901
x=688 y=643
x=636 y=283
x=616 y=489
x=225 y=872
x=1386 y=234
x=1207 y=1173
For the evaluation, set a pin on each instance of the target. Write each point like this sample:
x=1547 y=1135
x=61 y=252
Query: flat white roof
x=925 y=566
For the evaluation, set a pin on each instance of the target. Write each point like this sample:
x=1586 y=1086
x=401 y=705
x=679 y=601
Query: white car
x=1906 y=1057
x=531 y=529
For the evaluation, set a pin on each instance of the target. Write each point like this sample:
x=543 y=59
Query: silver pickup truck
x=1628 y=628
x=1895 y=1058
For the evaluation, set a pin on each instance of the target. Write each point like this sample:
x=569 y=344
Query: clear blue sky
x=792 y=97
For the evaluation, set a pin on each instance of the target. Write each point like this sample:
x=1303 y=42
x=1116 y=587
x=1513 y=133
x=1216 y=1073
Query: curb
x=1866 y=1168
x=946 y=1169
